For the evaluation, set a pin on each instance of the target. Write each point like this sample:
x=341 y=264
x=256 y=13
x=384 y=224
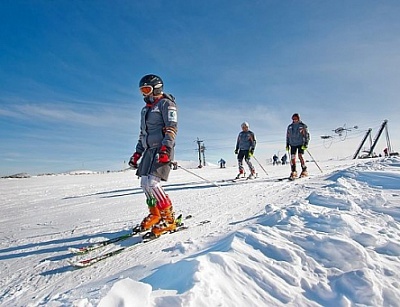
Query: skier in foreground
x=297 y=138
x=245 y=146
x=155 y=147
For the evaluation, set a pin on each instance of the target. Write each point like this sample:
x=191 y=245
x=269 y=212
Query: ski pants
x=244 y=154
x=293 y=151
x=152 y=187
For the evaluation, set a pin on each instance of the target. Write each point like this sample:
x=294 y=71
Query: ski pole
x=314 y=161
x=289 y=157
x=261 y=166
x=186 y=170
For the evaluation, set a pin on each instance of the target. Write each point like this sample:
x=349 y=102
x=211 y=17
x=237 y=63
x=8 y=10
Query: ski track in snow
x=331 y=239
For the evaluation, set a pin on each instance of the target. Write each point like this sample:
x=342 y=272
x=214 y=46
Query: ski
x=90 y=261
x=91 y=247
x=238 y=180
x=245 y=178
x=146 y=238
x=291 y=178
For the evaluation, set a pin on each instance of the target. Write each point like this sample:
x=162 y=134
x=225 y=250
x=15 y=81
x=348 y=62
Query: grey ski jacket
x=158 y=127
x=246 y=140
x=297 y=134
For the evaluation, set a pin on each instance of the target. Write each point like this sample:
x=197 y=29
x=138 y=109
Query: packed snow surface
x=332 y=239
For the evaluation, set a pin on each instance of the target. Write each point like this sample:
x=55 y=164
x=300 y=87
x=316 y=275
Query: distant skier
x=222 y=163
x=158 y=129
x=297 y=138
x=275 y=160
x=284 y=159
x=245 y=146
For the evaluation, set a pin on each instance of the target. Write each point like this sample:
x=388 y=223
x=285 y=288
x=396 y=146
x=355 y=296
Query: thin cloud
x=102 y=116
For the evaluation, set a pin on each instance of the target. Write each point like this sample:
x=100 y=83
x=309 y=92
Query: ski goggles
x=146 y=90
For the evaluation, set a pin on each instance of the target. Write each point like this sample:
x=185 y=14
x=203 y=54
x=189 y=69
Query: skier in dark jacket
x=155 y=147
x=245 y=146
x=284 y=159
x=297 y=138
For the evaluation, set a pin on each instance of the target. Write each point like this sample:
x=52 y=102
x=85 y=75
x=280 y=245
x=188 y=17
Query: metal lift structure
x=370 y=153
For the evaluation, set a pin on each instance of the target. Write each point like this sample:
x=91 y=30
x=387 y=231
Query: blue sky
x=69 y=73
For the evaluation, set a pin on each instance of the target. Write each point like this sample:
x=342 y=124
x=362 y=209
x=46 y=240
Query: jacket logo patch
x=172 y=115
x=155 y=109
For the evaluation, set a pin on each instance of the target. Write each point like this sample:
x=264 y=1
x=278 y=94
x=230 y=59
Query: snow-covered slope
x=328 y=240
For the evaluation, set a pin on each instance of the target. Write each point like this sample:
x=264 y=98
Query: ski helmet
x=245 y=124
x=153 y=83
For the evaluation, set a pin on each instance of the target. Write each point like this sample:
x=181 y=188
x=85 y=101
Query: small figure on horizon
x=284 y=159
x=275 y=160
x=222 y=163
x=385 y=151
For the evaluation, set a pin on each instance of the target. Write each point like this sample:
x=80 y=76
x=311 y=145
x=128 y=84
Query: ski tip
x=74 y=250
x=77 y=265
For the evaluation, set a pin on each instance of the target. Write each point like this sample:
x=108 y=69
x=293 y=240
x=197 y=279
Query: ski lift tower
x=368 y=134
x=201 y=149
x=370 y=152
